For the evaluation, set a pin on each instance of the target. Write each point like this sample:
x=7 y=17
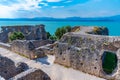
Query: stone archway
x=109 y=62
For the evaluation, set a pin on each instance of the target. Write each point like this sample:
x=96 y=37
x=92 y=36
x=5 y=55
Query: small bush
x=48 y=35
x=60 y=31
x=53 y=37
x=96 y=30
x=16 y=35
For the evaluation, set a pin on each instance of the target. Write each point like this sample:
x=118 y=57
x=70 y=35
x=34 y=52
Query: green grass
x=109 y=62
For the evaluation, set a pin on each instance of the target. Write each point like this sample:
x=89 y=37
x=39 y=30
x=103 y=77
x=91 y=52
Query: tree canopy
x=60 y=31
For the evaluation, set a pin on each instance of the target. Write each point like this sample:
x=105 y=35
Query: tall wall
x=36 y=32
x=84 y=52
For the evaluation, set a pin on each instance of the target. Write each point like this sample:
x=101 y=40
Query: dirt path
x=56 y=72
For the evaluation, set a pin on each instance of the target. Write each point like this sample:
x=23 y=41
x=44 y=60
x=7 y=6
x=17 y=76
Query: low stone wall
x=31 y=74
x=47 y=49
x=6 y=46
x=19 y=71
x=25 y=48
x=84 y=52
x=28 y=48
x=9 y=69
x=38 y=43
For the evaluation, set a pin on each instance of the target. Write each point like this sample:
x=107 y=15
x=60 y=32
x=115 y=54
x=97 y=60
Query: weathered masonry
x=94 y=54
x=30 y=32
x=10 y=70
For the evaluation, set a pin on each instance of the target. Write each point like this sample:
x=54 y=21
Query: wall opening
x=109 y=62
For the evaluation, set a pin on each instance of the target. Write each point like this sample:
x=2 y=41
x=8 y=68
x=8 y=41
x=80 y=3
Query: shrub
x=96 y=30
x=16 y=35
x=48 y=35
x=53 y=37
x=60 y=31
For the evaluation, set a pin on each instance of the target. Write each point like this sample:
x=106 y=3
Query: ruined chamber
x=90 y=53
x=31 y=32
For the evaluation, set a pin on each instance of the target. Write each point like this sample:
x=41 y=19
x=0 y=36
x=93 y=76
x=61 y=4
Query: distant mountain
x=115 y=18
x=111 y=18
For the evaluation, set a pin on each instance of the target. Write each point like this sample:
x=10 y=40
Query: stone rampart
x=84 y=52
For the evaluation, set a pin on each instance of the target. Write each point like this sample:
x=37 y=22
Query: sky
x=58 y=8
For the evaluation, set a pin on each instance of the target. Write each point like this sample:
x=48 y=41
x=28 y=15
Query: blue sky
x=58 y=8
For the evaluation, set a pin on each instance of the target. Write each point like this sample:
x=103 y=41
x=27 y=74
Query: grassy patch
x=109 y=62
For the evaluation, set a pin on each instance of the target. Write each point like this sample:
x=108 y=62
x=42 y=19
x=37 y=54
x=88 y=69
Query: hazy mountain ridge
x=111 y=18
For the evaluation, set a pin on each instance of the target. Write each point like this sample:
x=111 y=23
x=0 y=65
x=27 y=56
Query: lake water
x=51 y=26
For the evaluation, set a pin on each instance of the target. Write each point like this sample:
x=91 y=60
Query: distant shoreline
x=59 y=20
x=51 y=26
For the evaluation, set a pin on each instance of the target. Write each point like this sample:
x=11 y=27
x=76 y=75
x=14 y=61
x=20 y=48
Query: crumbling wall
x=9 y=69
x=19 y=71
x=30 y=32
x=4 y=45
x=26 y=48
x=31 y=74
x=83 y=52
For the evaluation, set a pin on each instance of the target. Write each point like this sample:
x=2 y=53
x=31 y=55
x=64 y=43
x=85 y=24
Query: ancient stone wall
x=39 y=43
x=36 y=32
x=31 y=74
x=19 y=71
x=28 y=49
x=6 y=46
x=25 y=48
x=83 y=52
x=9 y=69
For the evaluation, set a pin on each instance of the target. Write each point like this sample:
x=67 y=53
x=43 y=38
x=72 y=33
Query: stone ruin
x=28 y=48
x=10 y=70
x=7 y=68
x=35 y=36
x=84 y=49
x=86 y=52
x=30 y=32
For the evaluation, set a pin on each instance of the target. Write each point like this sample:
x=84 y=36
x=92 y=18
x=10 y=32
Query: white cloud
x=68 y=1
x=53 y=0
x=5 y=11
x=26 y=5
x=54 y=6
x=45 y=4
x=57 y=6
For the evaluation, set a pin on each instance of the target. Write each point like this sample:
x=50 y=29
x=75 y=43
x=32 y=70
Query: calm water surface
x=51 y=26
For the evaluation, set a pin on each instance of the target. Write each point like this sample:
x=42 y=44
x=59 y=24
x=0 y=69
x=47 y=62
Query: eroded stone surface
x=32 y=74
x=83 y=52
x=7 y=68
x=36 y=32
